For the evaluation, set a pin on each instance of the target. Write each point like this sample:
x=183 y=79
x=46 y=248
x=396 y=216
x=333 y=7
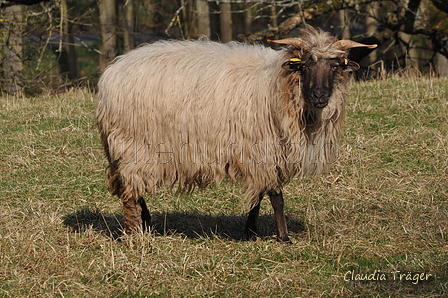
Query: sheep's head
x=321 y=61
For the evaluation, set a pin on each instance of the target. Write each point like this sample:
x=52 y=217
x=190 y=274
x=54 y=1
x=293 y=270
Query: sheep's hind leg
x=251 y=224
x=277 y=203
x=146 y=217
x=136 y=216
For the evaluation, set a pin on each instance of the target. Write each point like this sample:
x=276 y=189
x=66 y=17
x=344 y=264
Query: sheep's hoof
x=284 y=240
x=251 y=235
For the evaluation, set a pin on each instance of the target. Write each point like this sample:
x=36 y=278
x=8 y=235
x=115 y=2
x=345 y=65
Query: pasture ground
x=381 y=214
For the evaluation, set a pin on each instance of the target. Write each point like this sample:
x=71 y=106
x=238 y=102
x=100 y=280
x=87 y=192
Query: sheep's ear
x=351 y=66
x=292 y=64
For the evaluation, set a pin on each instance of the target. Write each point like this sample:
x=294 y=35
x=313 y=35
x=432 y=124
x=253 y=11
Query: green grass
x=383 y=207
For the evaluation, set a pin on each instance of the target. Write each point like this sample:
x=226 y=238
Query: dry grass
x=383 y=207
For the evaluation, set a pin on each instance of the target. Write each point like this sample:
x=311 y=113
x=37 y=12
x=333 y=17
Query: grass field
x=381 y=214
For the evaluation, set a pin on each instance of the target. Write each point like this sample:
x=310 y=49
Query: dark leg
x=251 y=224
x=277 y=204
x=146 y=217
x=132 y=216
x=136 y=213
x=136 y=216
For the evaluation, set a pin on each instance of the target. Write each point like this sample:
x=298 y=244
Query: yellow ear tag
x=295 y=60
x=345 y=61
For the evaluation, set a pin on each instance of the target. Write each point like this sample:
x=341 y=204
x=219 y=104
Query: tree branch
x=441 y=5
x=6 y=3
x=402 y=20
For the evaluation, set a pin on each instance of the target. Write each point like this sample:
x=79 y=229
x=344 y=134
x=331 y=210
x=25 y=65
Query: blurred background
x=58 y=44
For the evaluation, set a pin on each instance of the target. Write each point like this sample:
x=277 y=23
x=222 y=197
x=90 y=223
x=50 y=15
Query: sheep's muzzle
x=319 y=98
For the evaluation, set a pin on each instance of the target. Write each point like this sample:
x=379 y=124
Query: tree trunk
x=71 y=68
x=441 y=5
x=8 y=3
x=108 y=32
x=345 y=24
x=225 y=22
x=368 y=67
x=12 y=49
x=188 y=25
x=189 y=21
x=410 y=15
x=129 y=26
x=274 y=19
x=248 y=17
x=203 y=18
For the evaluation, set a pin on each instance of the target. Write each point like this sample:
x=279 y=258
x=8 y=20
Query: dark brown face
x=317 y=81
x=319 y=75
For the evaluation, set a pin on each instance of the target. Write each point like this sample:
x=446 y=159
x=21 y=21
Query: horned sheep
x=192 y=113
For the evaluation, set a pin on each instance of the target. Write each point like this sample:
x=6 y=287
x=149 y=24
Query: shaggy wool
x=190 y=113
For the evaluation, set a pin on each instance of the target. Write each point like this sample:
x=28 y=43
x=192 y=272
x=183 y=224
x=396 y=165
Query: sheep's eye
x=335 y=66
x=343 y=62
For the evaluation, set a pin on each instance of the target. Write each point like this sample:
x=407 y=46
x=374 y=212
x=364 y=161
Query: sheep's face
x=321 y=60
x=319 y=75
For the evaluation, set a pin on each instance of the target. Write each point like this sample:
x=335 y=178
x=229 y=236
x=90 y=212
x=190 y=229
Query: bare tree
x=12 y=49
x=402 y=28
x=225 y=19
x=6 y=3
x=188 y=25
x=108 y=16
x=369 y=65
x=399 y=19
x=68 y=52
x=248 y=18
x=203 y=18
x=129 y=26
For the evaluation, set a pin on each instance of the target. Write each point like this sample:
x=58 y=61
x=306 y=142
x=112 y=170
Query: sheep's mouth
x=319 y=102
x=320 y=105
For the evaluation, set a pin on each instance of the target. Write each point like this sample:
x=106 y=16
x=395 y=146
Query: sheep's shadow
x=191 y=224
x=86 y=219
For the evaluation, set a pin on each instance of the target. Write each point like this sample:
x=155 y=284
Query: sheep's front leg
x=251 y=224
x=136 y=216
x=277 y=203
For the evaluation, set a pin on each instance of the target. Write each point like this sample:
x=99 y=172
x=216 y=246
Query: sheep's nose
x=319 y=98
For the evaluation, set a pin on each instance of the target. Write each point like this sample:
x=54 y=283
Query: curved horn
x=346 y=44
x=296 y=42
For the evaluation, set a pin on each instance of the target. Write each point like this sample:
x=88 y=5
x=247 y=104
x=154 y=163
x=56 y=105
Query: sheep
x=193 y=113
